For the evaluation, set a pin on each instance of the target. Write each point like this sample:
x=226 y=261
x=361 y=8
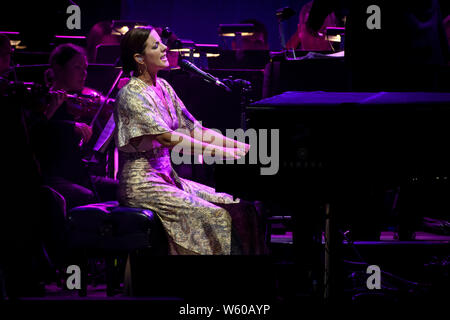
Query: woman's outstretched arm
x=215 y=138
x=186 y=143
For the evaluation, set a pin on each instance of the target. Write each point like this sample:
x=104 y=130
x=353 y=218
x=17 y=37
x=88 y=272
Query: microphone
x=188 y=66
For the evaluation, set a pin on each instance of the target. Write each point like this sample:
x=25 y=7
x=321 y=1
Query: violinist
x=58 y=139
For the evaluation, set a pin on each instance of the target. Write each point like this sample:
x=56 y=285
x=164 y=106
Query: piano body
x=338 y=154
x=333 y=140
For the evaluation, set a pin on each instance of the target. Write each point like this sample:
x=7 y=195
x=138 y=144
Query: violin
x=90 y=106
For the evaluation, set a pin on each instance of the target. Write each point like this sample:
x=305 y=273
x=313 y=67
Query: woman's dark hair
x=60 y=56
x=133 y=42
x=64 y=53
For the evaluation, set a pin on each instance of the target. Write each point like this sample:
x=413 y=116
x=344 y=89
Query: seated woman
x=148 y=116
x=58 y=133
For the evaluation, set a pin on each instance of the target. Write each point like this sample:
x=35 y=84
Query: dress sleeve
x=185 y=119
x=136 y=116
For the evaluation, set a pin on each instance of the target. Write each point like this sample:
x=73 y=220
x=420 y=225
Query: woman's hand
x=56 y=100
x=231 y=153
x=243 y=147
x=84 y=131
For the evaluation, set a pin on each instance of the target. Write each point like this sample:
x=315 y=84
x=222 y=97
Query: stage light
x=14 y=39
x=235 y=34
x=333 y=34
x=121 y=31
x=236 y=30
x=120 y=27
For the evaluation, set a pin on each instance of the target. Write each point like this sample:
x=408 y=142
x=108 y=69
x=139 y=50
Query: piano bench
x=107 y=230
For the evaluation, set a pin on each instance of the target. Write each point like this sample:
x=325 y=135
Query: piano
x=338 y=154
x=331 y=140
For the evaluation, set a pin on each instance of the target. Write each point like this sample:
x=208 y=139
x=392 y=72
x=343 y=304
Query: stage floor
x=386 y=236
x=282 y=249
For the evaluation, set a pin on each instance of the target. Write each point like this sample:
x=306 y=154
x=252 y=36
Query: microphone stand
x=190 y=67
x=244 y=88
x=228 y=85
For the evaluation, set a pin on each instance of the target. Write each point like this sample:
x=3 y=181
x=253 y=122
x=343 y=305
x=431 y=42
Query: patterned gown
x=194 y=224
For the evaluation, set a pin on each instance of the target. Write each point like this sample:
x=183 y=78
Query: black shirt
x=57 y=147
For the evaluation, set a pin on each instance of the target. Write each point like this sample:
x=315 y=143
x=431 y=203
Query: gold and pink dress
x=194 y=224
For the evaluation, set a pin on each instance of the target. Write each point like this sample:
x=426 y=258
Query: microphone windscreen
x=185 y=64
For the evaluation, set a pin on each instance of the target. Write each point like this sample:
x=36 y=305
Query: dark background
x=194 y=20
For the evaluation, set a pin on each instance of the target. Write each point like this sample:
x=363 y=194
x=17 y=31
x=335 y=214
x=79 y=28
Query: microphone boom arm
x=189 y=66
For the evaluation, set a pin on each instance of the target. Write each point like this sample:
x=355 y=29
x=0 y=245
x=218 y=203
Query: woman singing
x=149 y=116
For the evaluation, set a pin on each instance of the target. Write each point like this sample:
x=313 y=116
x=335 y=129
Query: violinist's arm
x=56 y=100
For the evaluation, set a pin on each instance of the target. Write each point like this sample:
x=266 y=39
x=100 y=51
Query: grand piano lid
x=307 y=99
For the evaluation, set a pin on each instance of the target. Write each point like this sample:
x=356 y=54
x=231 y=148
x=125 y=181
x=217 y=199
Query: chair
x=112 y=231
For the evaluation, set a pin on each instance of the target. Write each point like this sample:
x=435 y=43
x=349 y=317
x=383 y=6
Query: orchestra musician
x=58 y=139
x=21 y=254
x=306 y=39
x=257 y=41
x=100 y=33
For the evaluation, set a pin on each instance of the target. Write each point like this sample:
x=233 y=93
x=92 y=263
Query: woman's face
x=72 y=76
x=154 y=56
